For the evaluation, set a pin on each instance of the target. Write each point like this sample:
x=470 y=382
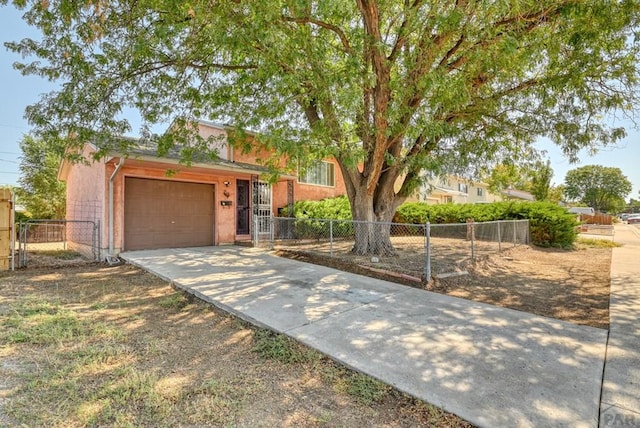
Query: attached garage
x=165 y=214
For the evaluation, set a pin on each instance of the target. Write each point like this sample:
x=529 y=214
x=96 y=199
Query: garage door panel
x=163 y=214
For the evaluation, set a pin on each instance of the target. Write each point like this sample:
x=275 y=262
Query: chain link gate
x=81 y=236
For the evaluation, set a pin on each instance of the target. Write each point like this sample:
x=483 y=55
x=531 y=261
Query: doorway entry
x=243 y=207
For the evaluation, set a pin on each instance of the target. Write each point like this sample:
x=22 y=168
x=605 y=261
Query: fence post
x=99 y=239
x=95 y=247
x=21 y=255
x=471 y=235
x=427 y=243
x=272 y=231
x=514 y=232
x=20 y=244
x=499 y=237
x=23 y=240
x=331 y=237
x=23 y=232
x=255 y=230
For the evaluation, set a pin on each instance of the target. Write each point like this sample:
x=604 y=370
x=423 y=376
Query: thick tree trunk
x=373 y=239
x=372 y=227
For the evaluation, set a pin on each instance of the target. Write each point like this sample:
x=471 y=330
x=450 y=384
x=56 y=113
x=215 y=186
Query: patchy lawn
x=114 y=346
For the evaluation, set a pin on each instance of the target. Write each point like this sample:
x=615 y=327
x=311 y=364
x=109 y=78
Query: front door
x=262 y=205
x=242 y=207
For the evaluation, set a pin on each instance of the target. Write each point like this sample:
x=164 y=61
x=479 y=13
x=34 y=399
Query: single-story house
x=143 y=201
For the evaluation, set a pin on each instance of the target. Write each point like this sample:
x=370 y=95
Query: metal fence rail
x=58 y=235
x=416 y=250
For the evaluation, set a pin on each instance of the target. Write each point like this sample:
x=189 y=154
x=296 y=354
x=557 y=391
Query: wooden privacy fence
x=599 y=218
x=6 y=221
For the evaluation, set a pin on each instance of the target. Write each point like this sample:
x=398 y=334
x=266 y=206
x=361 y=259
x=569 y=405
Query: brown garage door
x=164 y=214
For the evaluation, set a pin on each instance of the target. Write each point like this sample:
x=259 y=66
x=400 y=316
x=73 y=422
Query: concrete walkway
x=492 y=366
x=620 y=405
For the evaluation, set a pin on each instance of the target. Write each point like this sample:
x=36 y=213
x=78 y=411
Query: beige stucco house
x=139 y=205
x=521 y=195
x=457 y=190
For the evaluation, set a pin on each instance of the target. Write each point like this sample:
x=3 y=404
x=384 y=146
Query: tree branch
x=381 y=92
x=534 y=19
x=402 y=38
x=334 y=28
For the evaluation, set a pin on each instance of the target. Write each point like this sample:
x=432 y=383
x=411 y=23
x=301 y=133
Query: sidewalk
x=620 y=404
x=494 y=367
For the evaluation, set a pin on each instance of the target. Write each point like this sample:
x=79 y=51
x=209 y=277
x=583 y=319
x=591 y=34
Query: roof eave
x=227 y=167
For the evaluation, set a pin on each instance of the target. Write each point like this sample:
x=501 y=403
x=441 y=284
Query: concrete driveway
x=492 y=366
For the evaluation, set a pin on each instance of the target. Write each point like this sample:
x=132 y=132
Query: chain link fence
x=414 y=251
x=82 y=237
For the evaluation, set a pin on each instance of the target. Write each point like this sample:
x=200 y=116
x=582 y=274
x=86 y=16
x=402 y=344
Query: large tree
x=532 y=176
x=602 y=188
x=633 y=206
x=393 y=89
x=42 y=194
x=540 y=176
x=505 y=176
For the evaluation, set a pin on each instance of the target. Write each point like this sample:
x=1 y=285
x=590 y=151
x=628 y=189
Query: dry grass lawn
x=89 y=345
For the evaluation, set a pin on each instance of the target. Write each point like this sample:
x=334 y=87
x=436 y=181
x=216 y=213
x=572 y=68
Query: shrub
x=337 y=208
x=550 y=224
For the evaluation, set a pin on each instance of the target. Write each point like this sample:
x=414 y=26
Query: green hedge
x=337 y=208
x=550 y=224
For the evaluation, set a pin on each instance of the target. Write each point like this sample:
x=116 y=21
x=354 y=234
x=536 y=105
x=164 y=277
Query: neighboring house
x=139 y=205
x=582 y=210
x=457 y=190
x=517 y=194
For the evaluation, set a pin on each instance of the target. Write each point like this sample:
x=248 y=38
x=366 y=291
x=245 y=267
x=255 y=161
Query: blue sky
x=17 y=92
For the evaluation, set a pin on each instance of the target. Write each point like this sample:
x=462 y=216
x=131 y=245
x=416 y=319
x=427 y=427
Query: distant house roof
x=214 y=124
x=224 y=127
x=518 y=194
x=442 y=190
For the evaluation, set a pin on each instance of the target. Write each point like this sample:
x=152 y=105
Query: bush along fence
x=551 y=225
x=415 y=251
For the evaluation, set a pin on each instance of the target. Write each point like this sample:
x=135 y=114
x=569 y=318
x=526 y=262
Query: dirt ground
x=91 y=345
x=571 y=285
x=568 y=285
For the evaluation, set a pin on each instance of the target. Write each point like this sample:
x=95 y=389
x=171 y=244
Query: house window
x=462 y=188
x=448 y=199
x=321 y=173
x=480 y=191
